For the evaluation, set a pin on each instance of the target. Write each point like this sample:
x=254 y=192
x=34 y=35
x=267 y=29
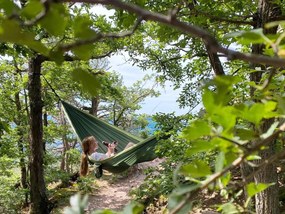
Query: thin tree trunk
x=39 y=201
x=45 y=124
x=64 y=162
x=64 y=165
x=95 y=103
x=21 y=135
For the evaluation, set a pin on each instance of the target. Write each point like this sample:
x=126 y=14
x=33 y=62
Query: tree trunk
x=45 y=125
x=95 y=103
x=65 y=156
x=266 y=202
x=39 y=201
x=215 y=62
x=64 y=165
x=21 y=146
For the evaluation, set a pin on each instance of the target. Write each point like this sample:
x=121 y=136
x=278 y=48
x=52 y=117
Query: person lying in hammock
x=89 y=146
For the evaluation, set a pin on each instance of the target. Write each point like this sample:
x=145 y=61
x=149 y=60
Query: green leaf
x=256 y=112
x=196 y=129
x=175 y=199
x=226 y=179
x=10 y=31
x=225 y=116
x=200 y=146
x=253 y=188
x=228 y=208
x=213 y=100
x=274 y=24
x=219 y=164
x=245 y=134
x=222 y=144
x=4 y=126
x=88 y=81
x=55 y=20
x=281 y=105
x=254 y=36
x=8 y=6
x=178 y=195
x=82 y=28
x=196 y=169
x=84 y=52
x=225 y=82
x=209 y=101
x=57 y=56
x=269 y=109
x=231 y=155
x=133 y=208
x=253 y=157
x=32 y=9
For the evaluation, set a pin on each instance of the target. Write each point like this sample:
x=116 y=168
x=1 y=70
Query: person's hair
x=86 y=145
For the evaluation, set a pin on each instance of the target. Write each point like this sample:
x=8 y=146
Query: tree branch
x=100 y=36
x=70 y=58
x=195 y=31
x=215 y=61
x=234 y=142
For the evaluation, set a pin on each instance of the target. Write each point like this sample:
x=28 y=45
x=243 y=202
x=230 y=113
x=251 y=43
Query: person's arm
x=98 y=156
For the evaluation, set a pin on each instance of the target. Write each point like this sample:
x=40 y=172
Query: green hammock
x=85 y=124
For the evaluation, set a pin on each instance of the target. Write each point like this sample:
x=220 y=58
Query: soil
x=113 y=192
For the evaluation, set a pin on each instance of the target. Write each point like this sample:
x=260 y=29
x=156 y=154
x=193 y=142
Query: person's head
x=89 y=145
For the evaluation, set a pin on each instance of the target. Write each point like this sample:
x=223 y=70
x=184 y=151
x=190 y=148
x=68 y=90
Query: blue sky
x=165 y=103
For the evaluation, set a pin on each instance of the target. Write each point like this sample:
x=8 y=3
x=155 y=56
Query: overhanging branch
x=99 y=37
x=195 y=31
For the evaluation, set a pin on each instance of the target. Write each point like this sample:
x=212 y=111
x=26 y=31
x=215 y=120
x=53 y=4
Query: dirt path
x=114 y=189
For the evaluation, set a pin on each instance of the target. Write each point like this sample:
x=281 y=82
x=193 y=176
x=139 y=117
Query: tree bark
x=65 y=156
x=45 y=125
x=215 y=62
x=21 y=134
x=266 y=202
x=39 y=201
x=95 y=104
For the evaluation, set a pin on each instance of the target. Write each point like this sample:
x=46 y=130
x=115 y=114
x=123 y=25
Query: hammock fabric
x=85 y=124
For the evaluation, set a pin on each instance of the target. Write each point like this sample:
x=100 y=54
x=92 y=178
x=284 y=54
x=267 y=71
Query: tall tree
x=38 y=188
